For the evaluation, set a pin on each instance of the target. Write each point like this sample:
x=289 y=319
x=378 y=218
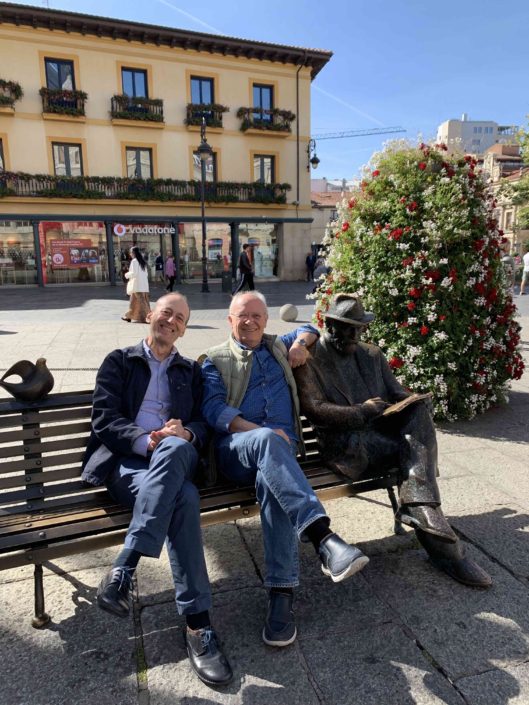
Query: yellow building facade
x=101 y=149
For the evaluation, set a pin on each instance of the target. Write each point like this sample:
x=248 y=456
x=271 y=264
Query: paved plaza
x=398 y=633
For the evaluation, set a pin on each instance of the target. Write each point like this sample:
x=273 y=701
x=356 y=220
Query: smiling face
x=248 y=318
x=342 y=336
x=168 y=321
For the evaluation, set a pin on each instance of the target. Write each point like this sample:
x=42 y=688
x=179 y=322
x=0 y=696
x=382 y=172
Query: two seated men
x=148 y=428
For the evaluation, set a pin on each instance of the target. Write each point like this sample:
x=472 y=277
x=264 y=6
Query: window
x=139 y=163
x=263 y=97
x=2 y=160
x=202 y=90
x=59 y=74
x=476 y=142
x=211 y=167
x=508 y=220
x=134 y=82
x=264 y=168
x=67 y=159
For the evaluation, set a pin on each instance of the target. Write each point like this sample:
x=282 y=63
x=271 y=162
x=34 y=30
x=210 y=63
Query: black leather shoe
x=207 y=660
x=279 y=628
x=114 y=591
x=339 y=560
x=429 y=519
x=451 y=559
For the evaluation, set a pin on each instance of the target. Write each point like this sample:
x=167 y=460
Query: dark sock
x=284 y=590
x=129 y=559
x=200 y=620
x=317 y=531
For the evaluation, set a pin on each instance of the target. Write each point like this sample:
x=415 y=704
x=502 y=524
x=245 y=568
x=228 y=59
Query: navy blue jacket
x=120 y=387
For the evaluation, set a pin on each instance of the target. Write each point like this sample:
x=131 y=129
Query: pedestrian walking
x=159 y=267
x=310 y=263
x=170 y=272
x=137 y=288
x=246 y=270
x=525 y=275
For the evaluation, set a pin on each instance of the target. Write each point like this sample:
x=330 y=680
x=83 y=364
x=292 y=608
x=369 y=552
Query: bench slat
x=47 y=447
x=45 y=462
x=38 y=478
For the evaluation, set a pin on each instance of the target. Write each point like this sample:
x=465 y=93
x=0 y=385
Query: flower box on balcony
x=147 y=110
x=274 y=121
x=212 y=112
x=10 y=92
x=63 y=102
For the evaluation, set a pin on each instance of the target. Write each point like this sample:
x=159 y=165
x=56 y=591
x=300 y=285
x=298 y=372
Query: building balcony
x=124 y=107
x=272 y=121
x=212 y=112
x=63 y=102
x=110 y=188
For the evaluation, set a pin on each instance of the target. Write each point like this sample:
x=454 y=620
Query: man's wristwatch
x=301 y=341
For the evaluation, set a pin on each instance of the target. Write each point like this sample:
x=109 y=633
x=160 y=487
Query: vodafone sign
x=119 y=229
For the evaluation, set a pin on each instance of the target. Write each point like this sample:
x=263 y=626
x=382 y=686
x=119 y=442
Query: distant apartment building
x=325 y=185
x=474 y=136
x=99 y=148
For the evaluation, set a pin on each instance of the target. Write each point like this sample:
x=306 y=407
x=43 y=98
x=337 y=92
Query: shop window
x=139 y=163
x=67 y=159
x=17 y=253
x=73 y=252
x=134 y=83
x=211 y=168
x=202 y=90
x=263 y=99
x=264 y=168
x=2 y=160
x=59 y=74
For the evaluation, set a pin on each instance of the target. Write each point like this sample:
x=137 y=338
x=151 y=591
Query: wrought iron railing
x=108 y=187
x=274 y=120
x=63 y=102
x=124 y=107
x=212 y=112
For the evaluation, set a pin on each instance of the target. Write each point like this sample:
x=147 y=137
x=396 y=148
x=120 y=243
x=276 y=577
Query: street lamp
x=204 y=152
x=311 y=149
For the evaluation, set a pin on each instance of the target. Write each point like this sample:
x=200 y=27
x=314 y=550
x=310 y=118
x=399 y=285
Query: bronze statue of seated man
x=344 y=389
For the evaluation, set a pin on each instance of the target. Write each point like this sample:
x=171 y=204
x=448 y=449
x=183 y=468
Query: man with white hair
x=250 y=399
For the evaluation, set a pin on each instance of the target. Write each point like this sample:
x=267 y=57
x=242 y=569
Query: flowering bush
x=421 y=245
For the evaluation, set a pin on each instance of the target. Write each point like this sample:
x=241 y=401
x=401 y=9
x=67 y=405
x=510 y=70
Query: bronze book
x=400 y=405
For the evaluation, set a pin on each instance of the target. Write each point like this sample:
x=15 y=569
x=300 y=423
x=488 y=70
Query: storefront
x=71 y=251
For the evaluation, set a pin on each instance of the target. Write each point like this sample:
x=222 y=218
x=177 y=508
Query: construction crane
x=311 y=147
x=359 y=133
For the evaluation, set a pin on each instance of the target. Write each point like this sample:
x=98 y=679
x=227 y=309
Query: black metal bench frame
x=47 y=512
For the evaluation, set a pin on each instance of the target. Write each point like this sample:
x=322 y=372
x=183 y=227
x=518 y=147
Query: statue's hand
x=374 y=407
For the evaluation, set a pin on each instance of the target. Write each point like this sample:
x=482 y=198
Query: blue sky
x=413 y=63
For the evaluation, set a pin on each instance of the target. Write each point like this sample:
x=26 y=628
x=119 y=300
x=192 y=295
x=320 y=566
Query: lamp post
x=204 y=152
x=311 y=149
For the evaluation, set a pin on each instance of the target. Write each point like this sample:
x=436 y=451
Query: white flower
x=440 y=335
x=447 y=283
x=393 y=292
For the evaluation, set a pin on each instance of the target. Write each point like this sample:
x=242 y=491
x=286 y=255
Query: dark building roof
x=28 y=16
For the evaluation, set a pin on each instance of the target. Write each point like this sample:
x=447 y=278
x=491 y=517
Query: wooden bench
x=47 y=512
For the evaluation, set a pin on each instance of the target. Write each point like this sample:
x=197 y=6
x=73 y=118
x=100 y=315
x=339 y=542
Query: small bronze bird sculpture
x=37 y=380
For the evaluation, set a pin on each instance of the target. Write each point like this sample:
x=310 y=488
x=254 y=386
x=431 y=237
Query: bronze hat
x=348 y=308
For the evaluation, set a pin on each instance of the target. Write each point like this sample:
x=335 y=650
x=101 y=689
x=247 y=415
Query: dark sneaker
x=207 y=660
x=339 y=560
x=114 y=591
x=279 y=628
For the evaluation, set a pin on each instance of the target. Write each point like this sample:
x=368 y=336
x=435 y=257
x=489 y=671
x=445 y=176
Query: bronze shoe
x=451 y=559
x=429 y=519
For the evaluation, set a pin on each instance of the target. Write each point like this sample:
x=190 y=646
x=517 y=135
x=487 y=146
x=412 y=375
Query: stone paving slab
x=508 y=686
x=81 y=658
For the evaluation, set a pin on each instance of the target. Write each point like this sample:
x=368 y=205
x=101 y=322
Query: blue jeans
x=166 y=507
x=288 y=503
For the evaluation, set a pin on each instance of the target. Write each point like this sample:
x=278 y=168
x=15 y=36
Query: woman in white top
x=525 y=275
x=137 y=288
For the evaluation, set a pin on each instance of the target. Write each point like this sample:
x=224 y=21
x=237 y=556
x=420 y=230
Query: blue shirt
x=155 y=409
x=267 y=401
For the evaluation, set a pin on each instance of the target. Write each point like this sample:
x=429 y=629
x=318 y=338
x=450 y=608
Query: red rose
x=442 y=317
x=453 y=274
x=424 y=330
x=376 y=173
x=412 y=206
x=415 y=292
x=478 y=245
x=352 y=203
x=402 y=199
x=432 y=274
x=422 y=166
x=479 y=288
x=395 y=234
x=411 y=305
x=396 y=363
x=345 y=227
